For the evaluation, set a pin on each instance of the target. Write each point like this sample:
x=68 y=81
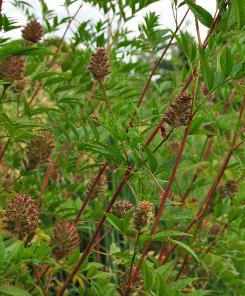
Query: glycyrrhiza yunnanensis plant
x=92 y=143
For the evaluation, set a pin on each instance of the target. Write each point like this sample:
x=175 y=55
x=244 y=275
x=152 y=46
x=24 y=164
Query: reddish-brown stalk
x=199 y=170
x=182 y=267
x=229 y=101
x=50 y=171
x=208 y=199
x=4 y=150
x=92 y=92
x=90 y=193
x=174 y=170
x=208 y=148
x=154 y=68
x=214 y=242
x=39 y=86
x=90 y=244
x=163 y=202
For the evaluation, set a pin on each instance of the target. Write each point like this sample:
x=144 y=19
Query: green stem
x=132 y=262
x=13 y=182
x=107 y=100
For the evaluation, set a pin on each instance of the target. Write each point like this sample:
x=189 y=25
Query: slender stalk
x=201 y=212
x=4 y=150
x=39 y=281
x=13 y=182
x=107 y=100
x=229 y=101
x=182 y=267
x=92 y=92
x=40 y=277
x=39 y=86
x=132 y=261
x=174 y=171
x=162 y=203
x=154 y=68
x=89 y=246
x=51 y=170
x=113 y=116
x=90 y=193
x=208 y=149
x=211 y=246
x=207 y=200
x=1 y=3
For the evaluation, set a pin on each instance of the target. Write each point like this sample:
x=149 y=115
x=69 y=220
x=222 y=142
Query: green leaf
x=237 y=14
x=114 y=249
x=116 y=222
x=147 y=275
x=15 y=48
x=2 y=251
x=152 y=159
x=162 y=236
x=9 y=290
x=206 y=70
x=200 y=13
x=187 y=248
x=226 y=63
x=181 y=284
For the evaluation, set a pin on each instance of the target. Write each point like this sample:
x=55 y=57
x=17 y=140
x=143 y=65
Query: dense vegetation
x=122 y=155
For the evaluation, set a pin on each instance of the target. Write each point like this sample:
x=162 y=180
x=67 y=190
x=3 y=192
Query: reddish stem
x=4 y=150
x=229 y=101
x=89 y=246
x=39 y=86
x=173 y=173
x=92 y=92
x=89 y=194
x=154 y=68
x=51 y=170
x=208 y=148
x=208 y=199
x=163 y=202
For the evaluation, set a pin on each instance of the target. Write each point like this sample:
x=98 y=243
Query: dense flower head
x=143 y=214
x=99 y=65
x=121 y=208
x=39 y=150
x=65 y=239
x=179 y=112
x=22 y=216
x=229 y=188
x=33 y=32
x=12 y=68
